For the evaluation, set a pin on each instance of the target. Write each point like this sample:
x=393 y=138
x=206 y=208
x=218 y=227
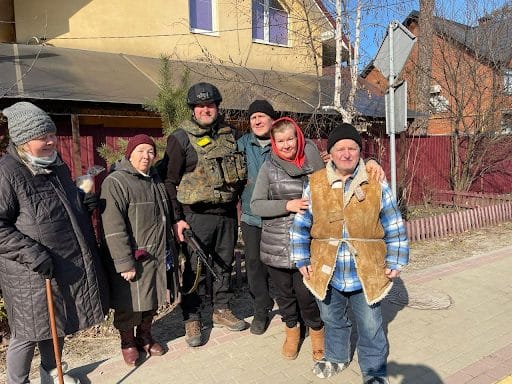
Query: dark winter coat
x=278 y=182
x=136 y=216
x=255 y=156
x=41 y=217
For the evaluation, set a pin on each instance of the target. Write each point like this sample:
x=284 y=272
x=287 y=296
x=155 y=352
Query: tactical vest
x=219 y=170
x=360 y=215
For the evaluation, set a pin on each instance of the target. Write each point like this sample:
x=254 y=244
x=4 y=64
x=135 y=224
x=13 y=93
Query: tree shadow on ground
x=389 y=312
x=397 y=299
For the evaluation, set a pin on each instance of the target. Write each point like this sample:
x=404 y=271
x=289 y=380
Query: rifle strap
x=196 y=281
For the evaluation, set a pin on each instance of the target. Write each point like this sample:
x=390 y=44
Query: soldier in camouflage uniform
x=203 y=177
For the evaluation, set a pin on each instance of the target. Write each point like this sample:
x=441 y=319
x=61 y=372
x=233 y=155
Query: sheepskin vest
x=360 y=216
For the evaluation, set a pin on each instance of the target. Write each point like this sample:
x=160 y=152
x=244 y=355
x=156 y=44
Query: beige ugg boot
x=291 y=343
x=317 y=343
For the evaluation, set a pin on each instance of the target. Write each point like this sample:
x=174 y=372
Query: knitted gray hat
x=25 y=122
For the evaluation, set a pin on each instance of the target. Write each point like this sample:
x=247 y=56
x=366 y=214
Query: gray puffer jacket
x=278 y=182
x=42 y=216
x=136 y=216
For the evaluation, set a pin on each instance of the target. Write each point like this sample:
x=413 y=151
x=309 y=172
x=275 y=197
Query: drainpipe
x=7 y=25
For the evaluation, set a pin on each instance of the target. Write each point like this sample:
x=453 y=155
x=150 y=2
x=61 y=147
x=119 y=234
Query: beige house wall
x=156 y=27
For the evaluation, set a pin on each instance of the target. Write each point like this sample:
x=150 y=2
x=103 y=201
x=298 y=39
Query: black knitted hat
x=343 y=131
x=262 y=106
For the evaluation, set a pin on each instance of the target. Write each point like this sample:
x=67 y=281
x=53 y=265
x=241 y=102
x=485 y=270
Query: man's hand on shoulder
x=374 y=170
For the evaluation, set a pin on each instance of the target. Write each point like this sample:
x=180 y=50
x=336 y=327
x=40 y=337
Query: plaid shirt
x=345 y=275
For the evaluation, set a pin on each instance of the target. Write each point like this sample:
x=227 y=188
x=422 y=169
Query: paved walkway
x=469 y=342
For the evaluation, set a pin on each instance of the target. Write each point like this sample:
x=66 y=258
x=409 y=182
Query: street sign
x=400 y=109
x=403 y=41
x=390 y=60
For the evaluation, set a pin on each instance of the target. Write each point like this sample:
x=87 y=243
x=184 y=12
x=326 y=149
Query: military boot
x=225 y=318
x=193 y=333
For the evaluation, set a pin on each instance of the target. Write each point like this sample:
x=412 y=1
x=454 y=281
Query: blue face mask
x=42 y=162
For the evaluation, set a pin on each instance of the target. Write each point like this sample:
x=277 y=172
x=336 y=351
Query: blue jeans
x=372 y=345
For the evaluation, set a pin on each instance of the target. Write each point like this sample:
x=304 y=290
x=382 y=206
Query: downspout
x=7 y=23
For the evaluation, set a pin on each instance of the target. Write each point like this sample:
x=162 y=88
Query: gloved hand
x=45 y=269
x=91 y=201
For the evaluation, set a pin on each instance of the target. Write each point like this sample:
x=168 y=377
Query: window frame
x=214 y=30
x=267 y=25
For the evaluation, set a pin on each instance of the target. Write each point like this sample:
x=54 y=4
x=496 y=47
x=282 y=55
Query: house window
x=438 y=103
x=507 y=82
x=269 y=22
x=201 y=15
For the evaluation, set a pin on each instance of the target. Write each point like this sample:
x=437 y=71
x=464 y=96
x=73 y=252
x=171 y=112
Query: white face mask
x=42 y=162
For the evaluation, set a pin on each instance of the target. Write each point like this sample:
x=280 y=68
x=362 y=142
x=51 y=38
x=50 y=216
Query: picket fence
x=452 y=223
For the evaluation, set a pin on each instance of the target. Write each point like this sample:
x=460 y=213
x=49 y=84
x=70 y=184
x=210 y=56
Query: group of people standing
x=324 y=235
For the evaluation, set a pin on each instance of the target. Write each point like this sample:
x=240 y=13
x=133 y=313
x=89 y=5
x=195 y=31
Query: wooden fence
x=435 y=227
x=468 y=199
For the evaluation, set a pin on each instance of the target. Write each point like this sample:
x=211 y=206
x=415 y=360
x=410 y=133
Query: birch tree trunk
x=348 y=111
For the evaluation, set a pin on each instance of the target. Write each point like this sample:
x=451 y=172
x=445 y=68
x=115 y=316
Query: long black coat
x=42 y=216
x=136 y=216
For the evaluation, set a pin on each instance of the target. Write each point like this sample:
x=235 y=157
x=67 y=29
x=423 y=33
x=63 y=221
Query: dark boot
x=259 y=324
x=145 y=339
x=129 y=347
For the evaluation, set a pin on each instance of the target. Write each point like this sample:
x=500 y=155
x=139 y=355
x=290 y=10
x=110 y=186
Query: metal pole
x=55 y=338
x=392 y=145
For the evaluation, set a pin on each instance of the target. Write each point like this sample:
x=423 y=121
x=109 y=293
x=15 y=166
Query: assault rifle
x=192 y=242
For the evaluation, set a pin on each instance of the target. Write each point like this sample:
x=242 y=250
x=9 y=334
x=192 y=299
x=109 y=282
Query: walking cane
x=51 y=312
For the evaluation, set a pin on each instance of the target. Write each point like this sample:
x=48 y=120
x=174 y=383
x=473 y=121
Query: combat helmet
x=203 y=93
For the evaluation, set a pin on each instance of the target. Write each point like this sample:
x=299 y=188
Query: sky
x=377 y=14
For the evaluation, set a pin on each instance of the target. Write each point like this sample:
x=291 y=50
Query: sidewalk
x=469 y=342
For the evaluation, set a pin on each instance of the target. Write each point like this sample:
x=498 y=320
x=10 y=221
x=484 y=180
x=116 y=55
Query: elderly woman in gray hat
x=45 y=233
